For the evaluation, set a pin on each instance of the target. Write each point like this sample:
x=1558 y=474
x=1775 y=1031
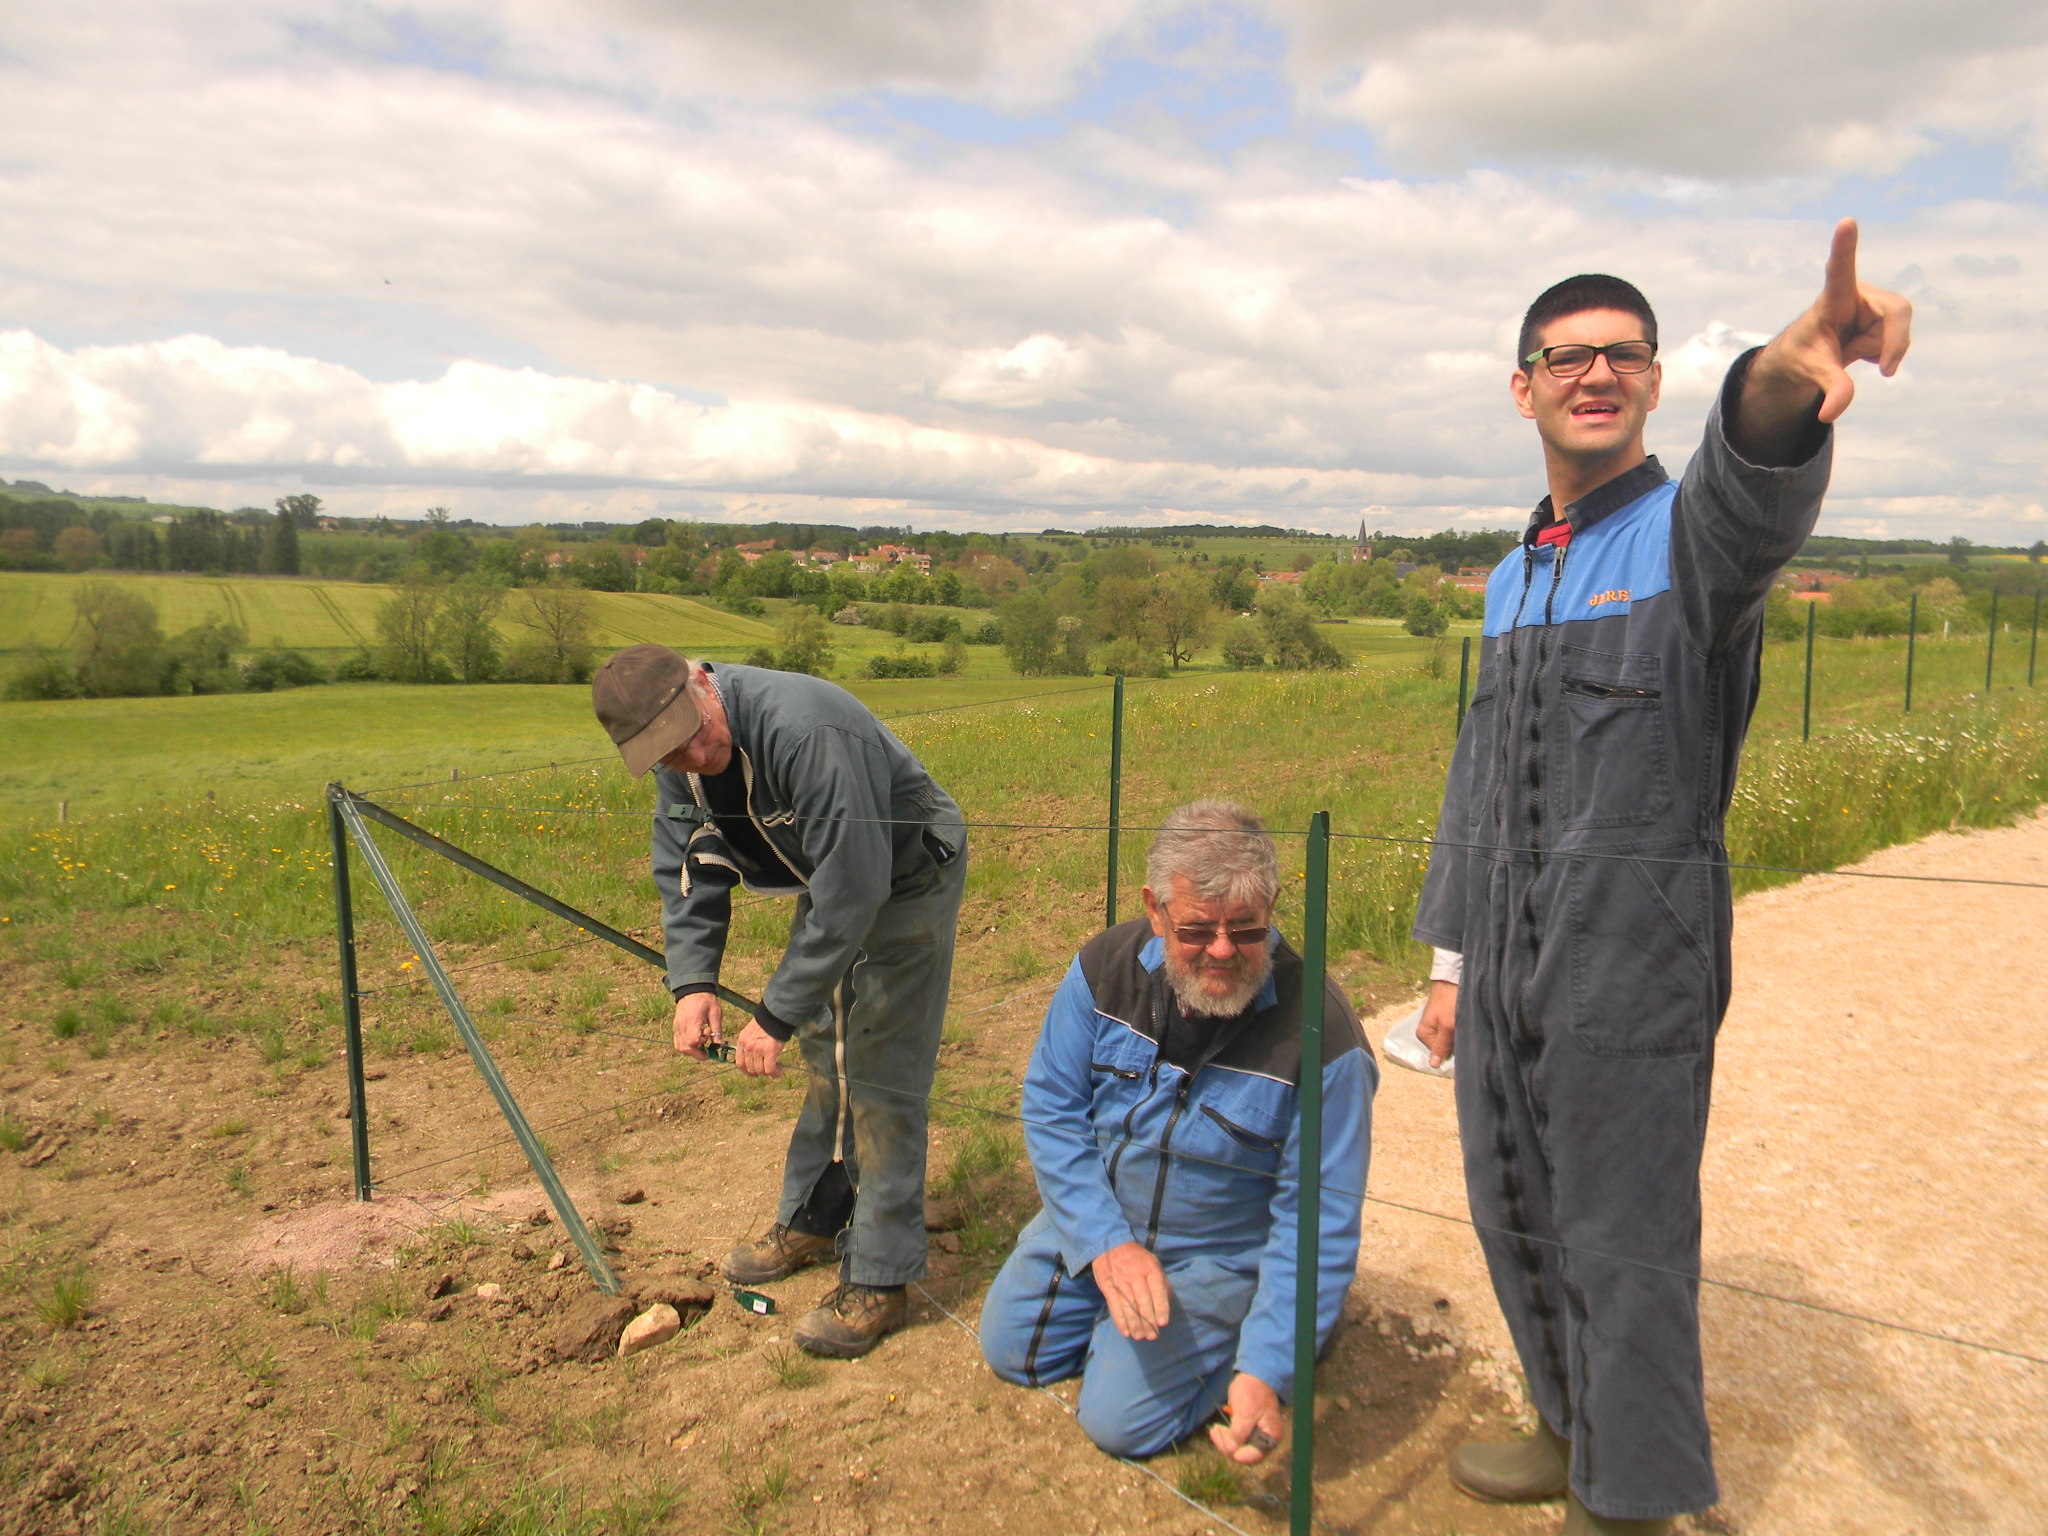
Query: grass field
x=330 y=618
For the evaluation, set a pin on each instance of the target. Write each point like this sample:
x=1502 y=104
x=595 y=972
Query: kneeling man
x=1159 y=1109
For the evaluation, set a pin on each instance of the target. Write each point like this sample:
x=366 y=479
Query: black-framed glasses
x=1202 y=935
x=1570 y=359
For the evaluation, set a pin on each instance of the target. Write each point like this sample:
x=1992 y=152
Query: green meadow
x=148 y=860
x=331 y=618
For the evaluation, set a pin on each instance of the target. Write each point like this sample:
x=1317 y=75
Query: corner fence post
x=351 y=1001
x=1806 y=709
x=1912 y=633
x=1464 y=675
x=2034 y=640
x=1116 y=797
x=1308 y=1226
x=536 y=1155
x=1991 y=645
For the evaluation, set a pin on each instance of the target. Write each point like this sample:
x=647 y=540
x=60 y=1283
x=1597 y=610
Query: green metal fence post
x=1308 y=1225
x=1991 y=646
x=351 y=1001
x=1912 y=633
x=480 y=1053
x=1116 y=798
x=2034 y=640
x=1464 y=675
x=1806 y=709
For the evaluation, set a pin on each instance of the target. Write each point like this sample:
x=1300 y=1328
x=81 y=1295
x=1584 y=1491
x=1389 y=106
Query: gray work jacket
x=845 y=809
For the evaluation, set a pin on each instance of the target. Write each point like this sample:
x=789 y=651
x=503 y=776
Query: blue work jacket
x=1202 y=1167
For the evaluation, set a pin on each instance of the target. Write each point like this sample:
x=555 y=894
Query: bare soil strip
x=1879 y=1144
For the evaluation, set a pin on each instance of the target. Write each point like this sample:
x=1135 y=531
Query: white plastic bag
x=1405 y=1047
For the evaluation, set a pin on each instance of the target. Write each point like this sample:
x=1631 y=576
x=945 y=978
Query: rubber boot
x=1581 y=1521
x=1525 y=1471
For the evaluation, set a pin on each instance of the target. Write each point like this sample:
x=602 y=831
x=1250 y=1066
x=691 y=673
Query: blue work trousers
x=1041 y=1325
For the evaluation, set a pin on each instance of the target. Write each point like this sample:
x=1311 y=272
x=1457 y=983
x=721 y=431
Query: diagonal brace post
x=536 y=1155
x=518 y=887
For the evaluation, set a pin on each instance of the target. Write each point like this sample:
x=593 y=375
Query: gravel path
x=1879 y=1145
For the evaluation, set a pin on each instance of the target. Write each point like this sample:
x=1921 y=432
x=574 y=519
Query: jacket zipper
x=747 y=774
x=1180 y=1104
x=1535 y=759
x=1130 y=1124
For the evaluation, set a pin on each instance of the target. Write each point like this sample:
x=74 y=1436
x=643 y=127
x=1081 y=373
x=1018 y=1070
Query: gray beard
x=1187 y=987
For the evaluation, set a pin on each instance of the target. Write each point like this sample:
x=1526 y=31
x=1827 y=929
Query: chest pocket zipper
x=1242 y=1136
x=1126 y=1073
x=1592 y=690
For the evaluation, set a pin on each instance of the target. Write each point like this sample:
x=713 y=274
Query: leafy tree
x=303 y=511
x=43 y=674
x=560 y=642
x=275 y=668
x=946 y=589
x=118 y=644
x=805 y=642
x=405 y=624
x=1030 y=633
x=465 y=629
x=1290 y=632
x=1122 y=607
x=281 y=549
x=202 y=658
x=2036 y=550
x=1232 y=585
x=1959 y=551
x=78 y=548
x=440 y=548
x=1182 y=613
x=134 y=547
x=1243 y=645
x=1424 y=617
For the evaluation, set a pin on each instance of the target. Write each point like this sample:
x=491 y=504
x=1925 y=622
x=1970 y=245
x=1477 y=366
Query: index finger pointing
x=1841 y=274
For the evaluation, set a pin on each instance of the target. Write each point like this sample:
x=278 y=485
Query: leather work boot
x=777 y=1254
x=851 y=1320
x=1581 y=1521
x=1520 y=1472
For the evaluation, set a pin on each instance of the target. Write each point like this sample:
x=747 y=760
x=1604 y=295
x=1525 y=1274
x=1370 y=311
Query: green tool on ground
x=754 y=1301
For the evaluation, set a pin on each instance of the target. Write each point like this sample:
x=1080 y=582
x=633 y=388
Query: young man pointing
x=1578 y=895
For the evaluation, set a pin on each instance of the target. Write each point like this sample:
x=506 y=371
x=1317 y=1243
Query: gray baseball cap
x=644 y=705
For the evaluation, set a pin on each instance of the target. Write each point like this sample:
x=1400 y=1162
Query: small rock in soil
x=60 y=1480
x=946 y=1242
x=440 y=1311
x=689 y=1297
x=590 y=1327
x=657 y=1325
x=257 y=1400
x=539 y=1218
x=632 y=1196
x=440 y=1285
x=616 y=1226
x=557 y=1259
x=943 y=1215
x=520 y=1250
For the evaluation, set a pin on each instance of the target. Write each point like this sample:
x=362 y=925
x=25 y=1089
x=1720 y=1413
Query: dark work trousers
x=856 y=1165
x=1585 y=1054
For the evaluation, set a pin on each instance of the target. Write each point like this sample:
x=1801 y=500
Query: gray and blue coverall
x=1580 y=869
x=1200 y=1163
x=821 y=801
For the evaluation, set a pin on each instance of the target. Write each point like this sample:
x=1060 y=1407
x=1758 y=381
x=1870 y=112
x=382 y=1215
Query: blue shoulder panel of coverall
x=1622 y=559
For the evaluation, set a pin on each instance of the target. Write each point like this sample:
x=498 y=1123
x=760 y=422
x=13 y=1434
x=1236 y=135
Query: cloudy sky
x=988 y=263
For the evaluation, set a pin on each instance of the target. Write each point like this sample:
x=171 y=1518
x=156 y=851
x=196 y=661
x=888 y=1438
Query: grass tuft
x=67 y=1299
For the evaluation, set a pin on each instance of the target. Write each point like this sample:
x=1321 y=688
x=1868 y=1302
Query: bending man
x=1159 y=1109
x=1616 y=680
x=789 y=784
